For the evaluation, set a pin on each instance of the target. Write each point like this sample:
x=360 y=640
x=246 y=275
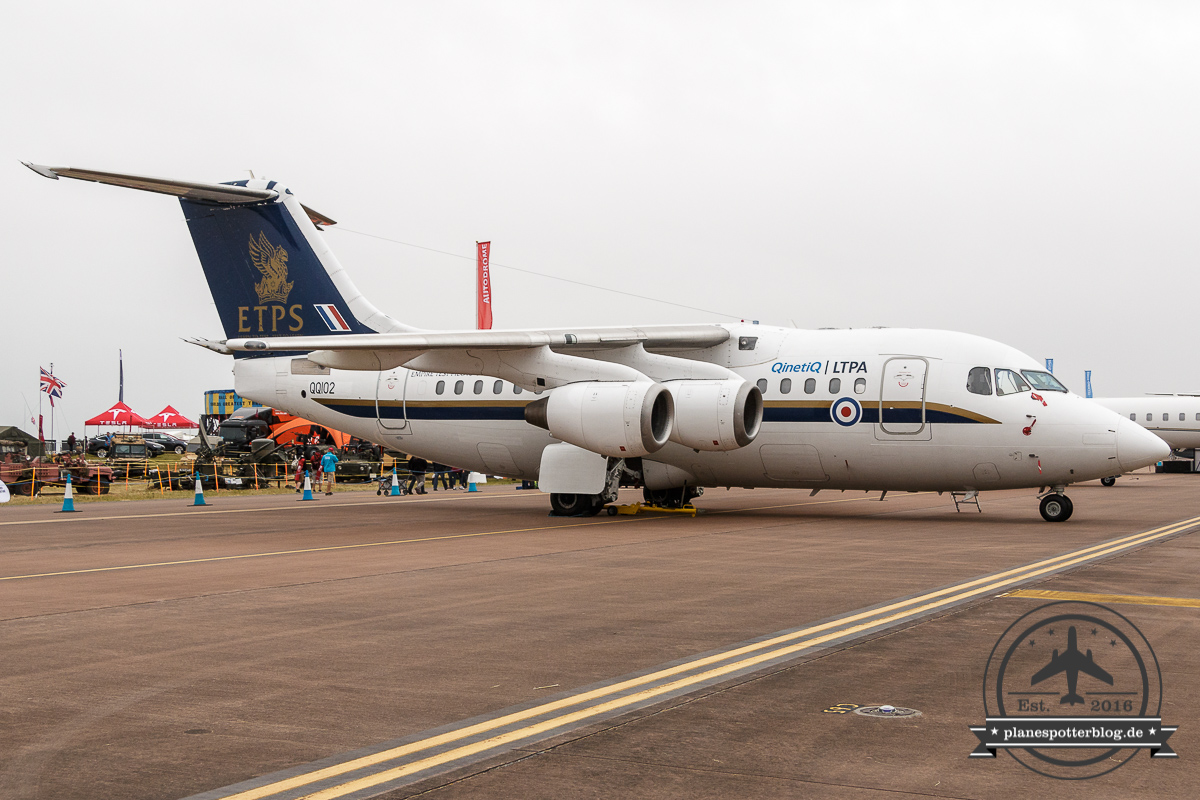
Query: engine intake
x=716 y=415
x=613 y=418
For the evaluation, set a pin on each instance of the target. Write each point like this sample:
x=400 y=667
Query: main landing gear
x=1056 y=507
x=671 y=498
x=576 y=505
x=589 y=505
x=1109 y=481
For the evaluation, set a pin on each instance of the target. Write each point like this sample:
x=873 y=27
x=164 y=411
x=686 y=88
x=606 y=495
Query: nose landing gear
x=1056 y=507
x=1109 y=481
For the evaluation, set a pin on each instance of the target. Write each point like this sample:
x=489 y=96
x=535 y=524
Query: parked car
x=171 y=443
x=103 y=446
x=98 y=443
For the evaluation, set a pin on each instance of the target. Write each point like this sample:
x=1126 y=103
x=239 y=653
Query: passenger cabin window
x=516 y=389
x=762 y=385
x=1149 y=418
x=497 y=387
x=1009 y=382
x=1182 y=416
x=785 y=386
x=458 y=387
x=835 y=385
x=860 y=385
x=810 y=386
x=979 y=380
x=441 y=387
x=478 y=387
x=1198 y=416
x=1133 y=417
x=1166 y=417
x=1043 y=381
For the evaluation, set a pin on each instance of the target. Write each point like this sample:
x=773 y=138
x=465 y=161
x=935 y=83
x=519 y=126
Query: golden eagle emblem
x=271 y=261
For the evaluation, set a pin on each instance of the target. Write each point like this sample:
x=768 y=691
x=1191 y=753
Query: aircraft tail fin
x=264 y=256
x=1070 y=699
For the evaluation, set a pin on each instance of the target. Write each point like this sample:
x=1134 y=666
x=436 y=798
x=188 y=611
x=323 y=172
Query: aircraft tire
x=1056 y=508
x=656 y=497
x=1109 y=481
x=575 y=505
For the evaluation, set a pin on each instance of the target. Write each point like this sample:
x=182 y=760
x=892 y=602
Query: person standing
x=71 y=443
x=416 y=479
x=329 y=463
x=439 y=474
x=301 y=466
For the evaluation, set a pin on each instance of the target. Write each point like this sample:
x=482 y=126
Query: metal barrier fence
x=36 y=479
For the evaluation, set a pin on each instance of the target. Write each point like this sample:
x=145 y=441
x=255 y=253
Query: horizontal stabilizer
x=223 y=194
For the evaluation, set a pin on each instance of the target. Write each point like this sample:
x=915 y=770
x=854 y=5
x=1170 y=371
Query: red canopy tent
x=170 y=418
x=119 y=415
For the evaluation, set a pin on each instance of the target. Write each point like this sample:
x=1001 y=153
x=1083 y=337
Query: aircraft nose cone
x=1138 y=447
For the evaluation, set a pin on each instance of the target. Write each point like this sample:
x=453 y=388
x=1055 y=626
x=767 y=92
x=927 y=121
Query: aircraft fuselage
x=877 y=409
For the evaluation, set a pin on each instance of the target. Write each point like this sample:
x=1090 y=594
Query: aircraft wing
x=533 y=359
x=1056 y=665
x=656 y=336
x=1089 y=666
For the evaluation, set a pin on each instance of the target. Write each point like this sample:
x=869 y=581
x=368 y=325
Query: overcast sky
x=1022 y=171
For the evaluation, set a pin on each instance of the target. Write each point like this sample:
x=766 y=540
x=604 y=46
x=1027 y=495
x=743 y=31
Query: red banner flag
x=483 y=308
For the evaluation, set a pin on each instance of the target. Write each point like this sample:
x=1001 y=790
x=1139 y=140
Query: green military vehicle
x=128 y=455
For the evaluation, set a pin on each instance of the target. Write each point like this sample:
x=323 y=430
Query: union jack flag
x=51 y=386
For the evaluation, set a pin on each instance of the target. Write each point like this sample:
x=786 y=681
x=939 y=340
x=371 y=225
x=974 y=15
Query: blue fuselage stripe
x=468 y=411
x=449 y=411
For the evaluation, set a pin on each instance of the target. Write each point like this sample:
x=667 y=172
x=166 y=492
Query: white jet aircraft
x=675 y=408
x=1174 y=418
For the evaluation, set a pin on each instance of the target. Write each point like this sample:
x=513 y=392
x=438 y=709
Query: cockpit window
x=1043 y=381
x=979 y=380
x=1009 y=382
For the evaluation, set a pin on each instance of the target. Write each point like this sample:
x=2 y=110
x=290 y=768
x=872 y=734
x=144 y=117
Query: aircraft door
x=390 y=408
x=902 y=398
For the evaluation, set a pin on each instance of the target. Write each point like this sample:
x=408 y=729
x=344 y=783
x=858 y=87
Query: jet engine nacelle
x=716 y=415
x=613 y=418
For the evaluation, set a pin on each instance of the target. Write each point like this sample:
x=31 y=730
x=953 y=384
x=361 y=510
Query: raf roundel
x=846 y=411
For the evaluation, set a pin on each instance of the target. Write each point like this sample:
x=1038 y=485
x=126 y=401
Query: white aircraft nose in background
x=1136 y=446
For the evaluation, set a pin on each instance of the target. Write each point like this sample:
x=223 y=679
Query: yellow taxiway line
x=746 y=657
x=1118 y=599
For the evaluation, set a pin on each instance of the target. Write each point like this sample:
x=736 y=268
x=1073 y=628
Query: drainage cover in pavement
x=887 y=711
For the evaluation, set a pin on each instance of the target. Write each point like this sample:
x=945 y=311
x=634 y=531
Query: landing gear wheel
x=1056 y=508
x=1108 y=481
x=671 y=498
x=656 y=497
x=575 y=505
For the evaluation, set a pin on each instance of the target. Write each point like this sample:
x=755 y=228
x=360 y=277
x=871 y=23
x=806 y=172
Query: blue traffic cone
x=68 y=497
x=471 y=483
x=307 y=487
x=199 y=501
x=395 y=484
